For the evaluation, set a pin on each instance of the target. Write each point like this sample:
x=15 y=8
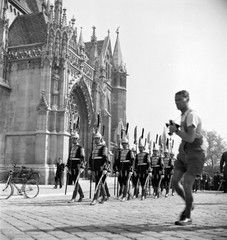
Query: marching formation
x=137 y=172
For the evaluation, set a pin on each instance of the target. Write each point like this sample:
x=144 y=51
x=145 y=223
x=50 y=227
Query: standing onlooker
x=59 y=173
x=223 y=169
x=191 y=157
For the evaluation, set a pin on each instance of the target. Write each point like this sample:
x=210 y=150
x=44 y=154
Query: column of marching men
x=136 y=172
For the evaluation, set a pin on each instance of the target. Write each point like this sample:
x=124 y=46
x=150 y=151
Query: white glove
x=89 y=172
x=104 y=172
x=81 y=170
x=150 y=174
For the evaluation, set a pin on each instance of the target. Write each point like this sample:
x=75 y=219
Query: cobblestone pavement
x=50 y=217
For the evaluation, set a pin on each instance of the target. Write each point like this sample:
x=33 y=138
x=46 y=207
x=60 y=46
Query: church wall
x=4 y=97
x=22 y=113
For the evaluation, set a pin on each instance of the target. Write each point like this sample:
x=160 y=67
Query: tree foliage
x=215 y=146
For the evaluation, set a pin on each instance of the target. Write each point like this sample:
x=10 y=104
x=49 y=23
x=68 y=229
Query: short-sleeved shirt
x=192 y=119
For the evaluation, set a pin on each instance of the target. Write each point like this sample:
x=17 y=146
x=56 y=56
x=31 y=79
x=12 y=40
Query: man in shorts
x=191 y=156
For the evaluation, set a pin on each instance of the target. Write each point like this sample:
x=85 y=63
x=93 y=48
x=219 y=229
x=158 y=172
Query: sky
x=167 y=46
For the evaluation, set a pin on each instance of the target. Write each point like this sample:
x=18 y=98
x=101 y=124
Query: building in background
x=48 y=78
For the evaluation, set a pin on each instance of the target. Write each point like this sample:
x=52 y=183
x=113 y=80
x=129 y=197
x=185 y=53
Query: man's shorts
x=190 y=163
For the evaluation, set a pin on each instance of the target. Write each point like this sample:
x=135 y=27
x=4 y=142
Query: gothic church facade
x=48 y=78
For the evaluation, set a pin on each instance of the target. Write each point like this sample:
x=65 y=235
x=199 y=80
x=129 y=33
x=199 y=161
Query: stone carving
x=25 y=52
x=43 y=105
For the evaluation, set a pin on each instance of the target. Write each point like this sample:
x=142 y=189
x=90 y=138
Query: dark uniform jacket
x=157 y=165
x=168 y=164
x=98 y=159
x=125 y=160
x=76 y=158
x=142 y=163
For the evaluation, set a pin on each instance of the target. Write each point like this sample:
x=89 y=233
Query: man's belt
x=168 y=167
x=75 y=159
x=156 y=166
x=142 y=163
x=97 y=158
x=125 y=161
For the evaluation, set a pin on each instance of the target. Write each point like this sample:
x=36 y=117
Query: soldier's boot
x=73 y=199
x=136 y=192
x=156 y=192
x=81 y=194
x=121 y=193
x=103 y=193
x=125 y=190
x=167 y=191
x=143 y=194
x=96 y=196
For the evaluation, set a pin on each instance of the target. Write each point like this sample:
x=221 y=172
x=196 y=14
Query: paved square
x=50 y=217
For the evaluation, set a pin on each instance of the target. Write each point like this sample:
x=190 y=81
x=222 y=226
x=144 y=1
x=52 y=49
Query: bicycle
x=30 y=174
x=29 y=187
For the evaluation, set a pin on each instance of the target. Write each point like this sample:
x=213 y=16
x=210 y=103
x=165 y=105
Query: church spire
x=58 y=12
x=93 y=37
x=117 y=55
x=81 y=41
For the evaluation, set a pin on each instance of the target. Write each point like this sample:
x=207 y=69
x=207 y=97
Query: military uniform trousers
x=101 y=189
x=77 y=188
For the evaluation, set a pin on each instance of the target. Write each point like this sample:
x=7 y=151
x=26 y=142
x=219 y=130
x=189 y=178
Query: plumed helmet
x=98 y=135
x=154 y=148
x=75 y=135
x=141 y=142
x=124 y=140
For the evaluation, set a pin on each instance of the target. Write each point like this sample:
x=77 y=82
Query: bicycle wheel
x=34 y=176
x=6 y=190
x=30 y=189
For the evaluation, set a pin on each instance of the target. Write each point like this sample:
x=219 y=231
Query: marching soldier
x=158 y=171
x=76 y=164
x=172 y=160
x=124 y=167
x=115 y=168
x=168 y=164
x=142 y=167
x=98 y=164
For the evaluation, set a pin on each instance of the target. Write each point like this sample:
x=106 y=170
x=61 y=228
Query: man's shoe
x=123 y=199
x=120 y=197
x=166 y=195
x=184 y=222
x=142 y=198
x=80 y=199
x=55 y=187
x=72 y=200
x=93 y=202
x=102 y=201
